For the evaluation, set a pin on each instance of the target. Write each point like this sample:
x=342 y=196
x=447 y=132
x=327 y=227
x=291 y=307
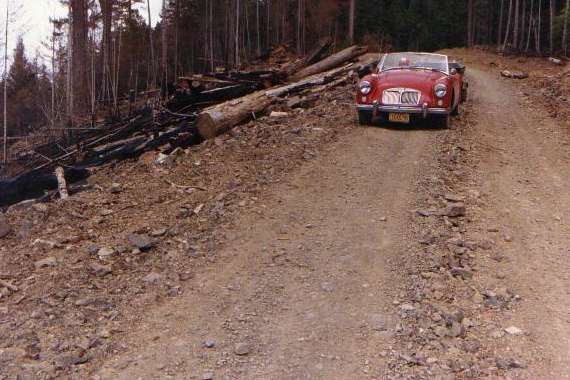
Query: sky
x=32 y=21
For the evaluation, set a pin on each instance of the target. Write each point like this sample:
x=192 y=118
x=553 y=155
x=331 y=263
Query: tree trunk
x=152 y=73
x=5 y=141
x=258 y=50
x=237 y=49
x=470 y=23
x=164 y=47
x=508 y=25
x=69 y=71
x=211 y=22
x=53 y=77
x=516 y=26
x=565 y=32
x=500 y=31
x=539 y=27
x=351 y=20
x=299 y=26
x=107 y=13
x=530 y=24
x=552 y=16
x=80 y=62
x=523 y=25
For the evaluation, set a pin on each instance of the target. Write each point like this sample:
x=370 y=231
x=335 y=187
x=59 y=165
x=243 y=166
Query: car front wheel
x=365 y=117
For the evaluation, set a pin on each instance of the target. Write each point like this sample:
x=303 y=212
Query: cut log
x=514 y=74
x=314 y=56
x=556 y=61
x=33 y=184
x=219 y=119
x=312 y=81
x=107 y=147
x=61 y=183
x=334 y=60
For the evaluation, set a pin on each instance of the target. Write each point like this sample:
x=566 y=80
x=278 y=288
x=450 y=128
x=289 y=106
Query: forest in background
x=106 y=50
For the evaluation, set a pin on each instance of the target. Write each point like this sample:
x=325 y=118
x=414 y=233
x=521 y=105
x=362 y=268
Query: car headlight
x=365 y=87
x=440 y=90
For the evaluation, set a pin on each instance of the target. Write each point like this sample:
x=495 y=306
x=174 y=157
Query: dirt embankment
x=85 y=269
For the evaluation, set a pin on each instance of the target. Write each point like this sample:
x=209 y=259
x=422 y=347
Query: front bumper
x=424 y=111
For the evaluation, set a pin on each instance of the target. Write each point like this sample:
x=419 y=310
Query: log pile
x=202 y=107
x=220 y=118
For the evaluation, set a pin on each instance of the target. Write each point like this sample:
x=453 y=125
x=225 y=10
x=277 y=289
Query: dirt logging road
x=324 y=251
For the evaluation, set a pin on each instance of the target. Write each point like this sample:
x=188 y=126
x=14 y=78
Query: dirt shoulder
x=491 y=288
x=81 y=280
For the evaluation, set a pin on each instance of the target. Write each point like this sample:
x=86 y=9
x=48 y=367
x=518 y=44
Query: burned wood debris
x=198 y=107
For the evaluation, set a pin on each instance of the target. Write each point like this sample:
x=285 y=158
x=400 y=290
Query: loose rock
x=142 y=242
x=45 y=263
x=67 y=361
x=454 y=210
x=159 y=232
x=115 y=188
x=486 y=244
x=378 y=322
x=242 y=349
x=513 y=331
x=152 y=278
x=45 y=244
x=105 y=252
x=99 y=269
x=277 y=114
x=456 y=330
x=462 y=272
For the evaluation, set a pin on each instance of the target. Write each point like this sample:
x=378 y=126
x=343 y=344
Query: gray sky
x=32 y=21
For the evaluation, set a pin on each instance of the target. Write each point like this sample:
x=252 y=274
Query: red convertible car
x=412 y=86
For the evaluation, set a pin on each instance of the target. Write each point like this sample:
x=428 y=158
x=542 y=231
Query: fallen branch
x=61 y=183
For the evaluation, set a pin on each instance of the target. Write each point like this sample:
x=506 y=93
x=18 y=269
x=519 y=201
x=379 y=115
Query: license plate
x=399 y=117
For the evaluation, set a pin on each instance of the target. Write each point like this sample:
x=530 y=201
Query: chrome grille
x=393 y=96
x=410 y=97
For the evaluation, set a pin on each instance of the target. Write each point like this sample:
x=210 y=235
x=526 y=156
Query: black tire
x=464 y=94
x=364 y=117
x=442 y=122
x=456 y=111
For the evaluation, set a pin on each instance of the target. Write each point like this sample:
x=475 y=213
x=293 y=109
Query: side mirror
x=453 y=71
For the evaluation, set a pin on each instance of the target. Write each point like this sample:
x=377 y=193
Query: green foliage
x=413 y=24
x=26 y=82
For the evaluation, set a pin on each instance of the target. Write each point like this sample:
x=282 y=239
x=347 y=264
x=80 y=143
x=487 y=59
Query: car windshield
x=414 y=61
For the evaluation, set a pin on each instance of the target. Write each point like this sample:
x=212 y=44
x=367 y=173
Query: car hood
x=417 y=79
